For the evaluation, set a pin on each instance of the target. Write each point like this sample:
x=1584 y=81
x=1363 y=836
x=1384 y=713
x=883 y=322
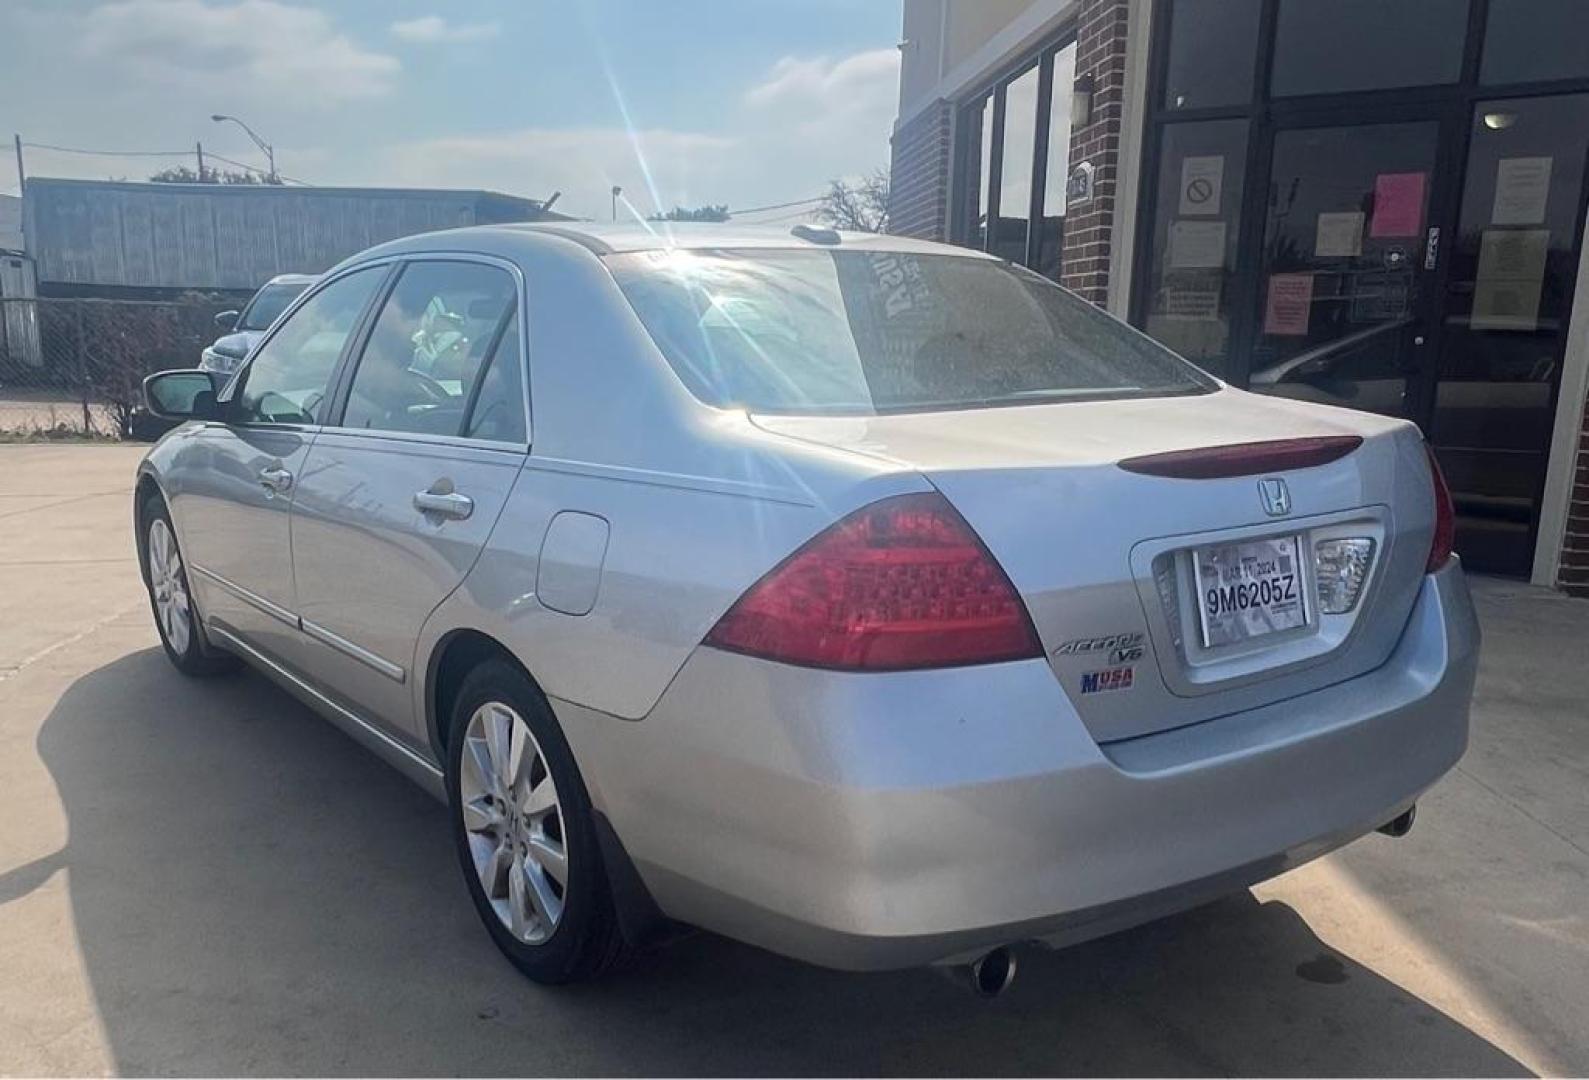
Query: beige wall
x=941 y=34
x=921 y=54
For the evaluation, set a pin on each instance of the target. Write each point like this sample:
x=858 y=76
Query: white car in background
x=225 y=354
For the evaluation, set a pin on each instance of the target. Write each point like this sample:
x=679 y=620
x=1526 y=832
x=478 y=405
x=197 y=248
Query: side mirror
x=226 y=320
x=183 y=395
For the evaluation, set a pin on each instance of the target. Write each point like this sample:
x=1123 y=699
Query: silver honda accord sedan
x=869 y=600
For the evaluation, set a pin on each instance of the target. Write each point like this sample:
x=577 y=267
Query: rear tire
x=525 y=832
x=175 y=616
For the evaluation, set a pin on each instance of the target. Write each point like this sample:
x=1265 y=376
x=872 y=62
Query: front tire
x=525 y=832
x=175 y=616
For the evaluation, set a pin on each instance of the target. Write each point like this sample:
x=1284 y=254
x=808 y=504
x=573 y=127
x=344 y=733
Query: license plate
x=1250 y=589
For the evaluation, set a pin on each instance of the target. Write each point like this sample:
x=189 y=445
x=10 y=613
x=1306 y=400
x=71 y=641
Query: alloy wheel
x=169 y=586
x=513 y=822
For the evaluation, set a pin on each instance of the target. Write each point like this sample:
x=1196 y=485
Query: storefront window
x=1529 y=40
x=1213 y=49
x=1015 y=152
x=1195 y=227
x=1051 y=233
x=979 y=123
x=1015 y=178
x=1330 y=46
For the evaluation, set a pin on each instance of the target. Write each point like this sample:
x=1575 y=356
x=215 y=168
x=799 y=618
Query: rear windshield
x=268 y=303
x=871 y=332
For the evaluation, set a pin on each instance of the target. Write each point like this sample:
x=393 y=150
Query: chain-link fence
x=75 y=367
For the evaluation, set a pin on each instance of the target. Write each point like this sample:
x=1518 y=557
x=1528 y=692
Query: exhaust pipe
x=1401 y=825
x=989 y=975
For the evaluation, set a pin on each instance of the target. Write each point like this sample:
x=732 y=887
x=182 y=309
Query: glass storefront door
x=1507 y=298
x=1380 y=206
x=1345 y=299
x=1384 y=286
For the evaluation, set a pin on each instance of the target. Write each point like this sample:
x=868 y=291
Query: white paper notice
x=1192 y=303
x=1197 y=245
x=1510 y=278
x=1202 y=185
x=1522 y=187
x=1339 y=235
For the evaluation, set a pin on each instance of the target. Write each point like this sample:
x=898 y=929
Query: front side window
x=428 y=347
x=287 y=381
x=878 y=331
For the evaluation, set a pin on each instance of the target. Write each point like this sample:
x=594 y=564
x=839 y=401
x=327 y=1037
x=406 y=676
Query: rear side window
x=428 y=348
x=498 y=409
x=872 y=332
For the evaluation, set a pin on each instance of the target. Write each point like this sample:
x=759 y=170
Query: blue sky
x=744 y=103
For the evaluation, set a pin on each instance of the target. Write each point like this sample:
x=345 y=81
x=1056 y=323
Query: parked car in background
x=246 y=328
x=873 y=601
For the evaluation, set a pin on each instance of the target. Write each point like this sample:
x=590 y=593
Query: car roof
x=293 y=279
x=657 y=236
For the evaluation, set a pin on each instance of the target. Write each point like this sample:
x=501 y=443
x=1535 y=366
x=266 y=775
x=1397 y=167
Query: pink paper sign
x=1290 y=304
x=1398 y=204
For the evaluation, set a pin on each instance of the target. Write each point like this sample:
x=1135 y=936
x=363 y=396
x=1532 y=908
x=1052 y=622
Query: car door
x=398 y=496
x=233 y=481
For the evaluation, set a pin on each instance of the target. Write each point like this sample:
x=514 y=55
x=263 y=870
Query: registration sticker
x=1115 y=678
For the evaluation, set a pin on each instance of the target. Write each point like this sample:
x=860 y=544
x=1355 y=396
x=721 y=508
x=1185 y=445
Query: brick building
x=1380 y=206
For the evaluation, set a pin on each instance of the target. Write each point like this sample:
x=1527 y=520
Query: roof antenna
x=816 y=236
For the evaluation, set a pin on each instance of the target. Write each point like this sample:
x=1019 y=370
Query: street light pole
x=270 y=151
x=616 y=191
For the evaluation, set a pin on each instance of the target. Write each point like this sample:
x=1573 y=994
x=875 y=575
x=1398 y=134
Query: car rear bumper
x=878 y=821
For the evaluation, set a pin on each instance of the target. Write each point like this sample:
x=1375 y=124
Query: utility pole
x=616 y=191
x=200 y=148
x=17 y=139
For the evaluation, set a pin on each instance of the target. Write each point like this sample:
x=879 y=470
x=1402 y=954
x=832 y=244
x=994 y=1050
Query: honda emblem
x=1275 y=495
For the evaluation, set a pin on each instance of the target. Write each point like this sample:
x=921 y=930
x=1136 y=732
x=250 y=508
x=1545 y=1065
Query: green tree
x=181 y=174
x=700 y=213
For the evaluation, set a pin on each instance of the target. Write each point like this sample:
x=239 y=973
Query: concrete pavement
x=202 y=877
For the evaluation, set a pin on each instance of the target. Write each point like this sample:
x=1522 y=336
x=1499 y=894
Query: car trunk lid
x=1105 y=556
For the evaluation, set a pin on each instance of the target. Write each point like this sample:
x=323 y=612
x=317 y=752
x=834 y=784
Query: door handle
x=449 y=504
x=275 y=480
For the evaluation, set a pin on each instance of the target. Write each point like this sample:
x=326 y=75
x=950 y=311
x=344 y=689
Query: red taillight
x=902 y=583
x=1244 y=459
x=1445 y=517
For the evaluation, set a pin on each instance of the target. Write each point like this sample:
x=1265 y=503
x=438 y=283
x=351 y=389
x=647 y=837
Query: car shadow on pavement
x=254 y=893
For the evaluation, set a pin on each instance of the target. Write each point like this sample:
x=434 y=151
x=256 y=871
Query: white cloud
x=840 y=110
x=808 y=121
x=821 y=81
x=435 y=30
x=275 y=51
